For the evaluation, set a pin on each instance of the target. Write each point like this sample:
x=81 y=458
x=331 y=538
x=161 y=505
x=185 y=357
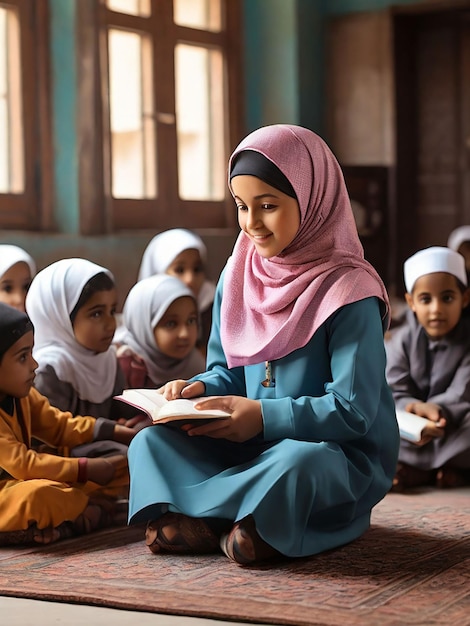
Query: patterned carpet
x=411 y=568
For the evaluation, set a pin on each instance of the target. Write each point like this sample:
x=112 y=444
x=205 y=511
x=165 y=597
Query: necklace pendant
x=269 y=381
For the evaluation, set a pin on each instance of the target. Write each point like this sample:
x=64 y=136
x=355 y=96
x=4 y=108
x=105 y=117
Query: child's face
x=176 y=332
x=269 y=217
x=437 y=302
x=188 y=267
x=14 y=285
x=17 y=368
x=95 y=323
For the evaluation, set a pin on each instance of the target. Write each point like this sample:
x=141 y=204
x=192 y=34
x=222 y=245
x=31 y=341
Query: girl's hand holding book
x=245 y=421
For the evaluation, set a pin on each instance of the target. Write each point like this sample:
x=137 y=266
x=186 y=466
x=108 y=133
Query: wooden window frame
x=99 y=211
x=32 y=209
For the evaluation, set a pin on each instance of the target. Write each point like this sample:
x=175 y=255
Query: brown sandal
x=180 y=534
x=407 y=477
x=244 y=546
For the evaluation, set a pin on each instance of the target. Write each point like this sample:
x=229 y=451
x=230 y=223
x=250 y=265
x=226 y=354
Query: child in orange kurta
x=44 y=497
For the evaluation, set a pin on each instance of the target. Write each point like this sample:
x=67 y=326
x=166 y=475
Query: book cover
x=411 y=426
x=162 y=411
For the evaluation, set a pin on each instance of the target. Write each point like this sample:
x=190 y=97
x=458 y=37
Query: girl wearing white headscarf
x=17 y=269
x=143 y=361
x=73 y=377
x=163 y=255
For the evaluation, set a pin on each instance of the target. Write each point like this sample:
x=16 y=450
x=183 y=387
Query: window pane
x=204 y=14
x=11 y=129
x=200 y=129
x=131 y=116
x=132 y=7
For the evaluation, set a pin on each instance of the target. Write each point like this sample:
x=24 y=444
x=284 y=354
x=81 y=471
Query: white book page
x=147 y=399
x=161 y=410
x=410 y=425
x=185 y=407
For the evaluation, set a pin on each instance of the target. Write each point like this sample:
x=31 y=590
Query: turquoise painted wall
x=285 y=58
x=271 y=75
x=64 y=102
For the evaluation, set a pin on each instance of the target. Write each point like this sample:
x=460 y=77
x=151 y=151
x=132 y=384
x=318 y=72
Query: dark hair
x=99 y=282
x=251 y=163
x=13 y=325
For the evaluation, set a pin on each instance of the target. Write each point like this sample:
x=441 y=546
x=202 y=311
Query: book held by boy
x=162 y=411
x=411 y=426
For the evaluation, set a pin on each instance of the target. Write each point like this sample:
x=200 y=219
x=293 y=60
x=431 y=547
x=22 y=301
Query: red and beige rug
x=412 y=567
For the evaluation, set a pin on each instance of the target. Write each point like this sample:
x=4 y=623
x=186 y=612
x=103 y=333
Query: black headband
x=250 y=163
x=13 y=325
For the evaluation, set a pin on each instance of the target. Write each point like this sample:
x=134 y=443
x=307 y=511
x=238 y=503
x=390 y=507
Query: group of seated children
x=62 y=436
x=61 y=366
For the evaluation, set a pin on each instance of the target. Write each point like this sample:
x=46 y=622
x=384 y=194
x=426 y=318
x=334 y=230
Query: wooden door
x=432 y=62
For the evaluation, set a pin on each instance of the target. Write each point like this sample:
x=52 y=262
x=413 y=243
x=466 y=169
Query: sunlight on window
x=132 y=7
x=11 y=129
x=203 y=14
x=200 y=128
x=131 y=116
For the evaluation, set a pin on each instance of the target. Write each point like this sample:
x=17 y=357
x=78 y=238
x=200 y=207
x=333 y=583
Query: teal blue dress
x=326 y=456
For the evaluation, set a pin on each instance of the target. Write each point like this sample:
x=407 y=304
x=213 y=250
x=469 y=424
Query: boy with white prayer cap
x=428 y=369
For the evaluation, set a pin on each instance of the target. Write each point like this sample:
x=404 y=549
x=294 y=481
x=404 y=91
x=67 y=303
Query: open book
x=162 y=411
x=411 y=426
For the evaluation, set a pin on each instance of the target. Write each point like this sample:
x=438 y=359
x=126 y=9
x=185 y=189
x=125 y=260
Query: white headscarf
x=163 y=250
x=145 y=305
x=457 y=237
x=11 y=255
x=51 y=298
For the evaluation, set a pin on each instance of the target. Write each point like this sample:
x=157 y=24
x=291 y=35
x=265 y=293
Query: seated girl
x=17 y=269
x=182 y=253
x=161 y=321
x=72 y=304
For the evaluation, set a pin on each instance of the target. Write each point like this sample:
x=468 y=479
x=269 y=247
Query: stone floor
x=22 y=612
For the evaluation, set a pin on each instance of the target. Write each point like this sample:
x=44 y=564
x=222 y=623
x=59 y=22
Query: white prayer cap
x=434 y=259
x=458 y=236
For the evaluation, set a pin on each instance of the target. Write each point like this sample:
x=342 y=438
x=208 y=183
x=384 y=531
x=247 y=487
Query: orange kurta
x=38 y=487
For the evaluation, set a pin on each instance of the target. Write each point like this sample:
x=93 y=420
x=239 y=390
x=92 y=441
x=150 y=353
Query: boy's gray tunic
x=420 y=369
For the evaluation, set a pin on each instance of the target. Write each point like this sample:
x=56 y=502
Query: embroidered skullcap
x=434 y=259
x=457 y=237
x=13 y=325
x=250 y=163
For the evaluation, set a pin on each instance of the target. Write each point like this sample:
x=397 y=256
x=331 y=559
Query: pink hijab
x=271 y=307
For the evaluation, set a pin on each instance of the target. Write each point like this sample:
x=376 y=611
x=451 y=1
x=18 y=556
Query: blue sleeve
x=354 y=390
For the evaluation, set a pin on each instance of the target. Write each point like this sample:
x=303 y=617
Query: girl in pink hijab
x=297 y=357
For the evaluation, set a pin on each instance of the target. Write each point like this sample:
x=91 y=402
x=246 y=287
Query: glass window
x=199 y=115
x=131 y=115
x=203 y=14
x=170 y=112
x=11 y=129
x=25 y=137
x=132 y=7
